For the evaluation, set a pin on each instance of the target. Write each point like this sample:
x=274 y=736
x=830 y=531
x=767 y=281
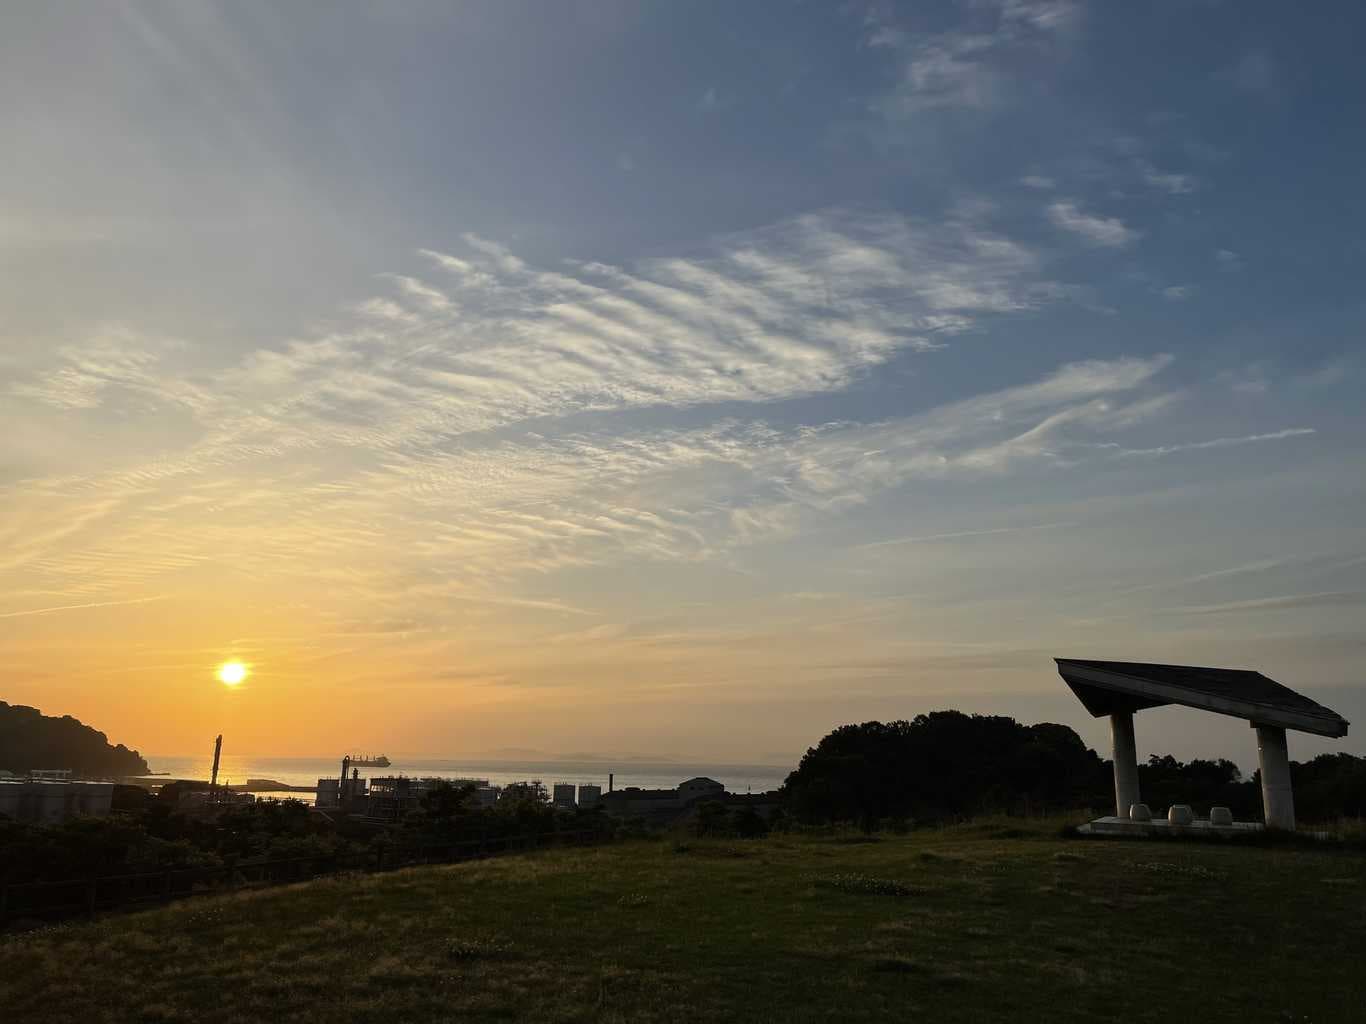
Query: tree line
x=947 y=765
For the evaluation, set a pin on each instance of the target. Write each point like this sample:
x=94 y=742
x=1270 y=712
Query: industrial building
x=389 y=797
x=700 y=788
x=47 y=800
x=214 y=799
x=661 y=805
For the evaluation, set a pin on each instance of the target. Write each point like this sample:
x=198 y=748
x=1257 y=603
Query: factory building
x=214 y=799
x=700 y=788
x=563 y=797
x=390 y=797
x=589 y=797
x=634 y=802
x=49 y=801
x=665 y=806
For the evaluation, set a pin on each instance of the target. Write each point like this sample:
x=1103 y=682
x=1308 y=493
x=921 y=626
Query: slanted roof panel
x=1101 y=702
x=1236 y=692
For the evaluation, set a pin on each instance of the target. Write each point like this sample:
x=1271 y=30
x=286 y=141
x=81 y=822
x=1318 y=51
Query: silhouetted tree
x=945 y=764
x=1203 y=784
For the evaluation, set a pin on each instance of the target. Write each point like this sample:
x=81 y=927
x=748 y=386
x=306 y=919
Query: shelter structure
x=1120 y=688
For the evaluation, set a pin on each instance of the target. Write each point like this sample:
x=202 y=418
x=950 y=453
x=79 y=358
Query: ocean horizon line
x=398 y=759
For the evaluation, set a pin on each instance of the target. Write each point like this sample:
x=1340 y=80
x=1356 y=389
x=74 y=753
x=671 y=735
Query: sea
x=302 y=771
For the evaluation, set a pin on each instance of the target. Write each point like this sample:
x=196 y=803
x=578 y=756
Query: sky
x=675 y=379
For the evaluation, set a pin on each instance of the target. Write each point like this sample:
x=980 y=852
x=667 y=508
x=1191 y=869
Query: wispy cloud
x=1214 y=575
x=1217 y=442
x=472 y=515
x=118 y=360
x=452 y=442
x=1278 y=603
x=80 y=607
x=932 y=538
x=973 y=65
x=396 y=404
x=804 y=307
x=1172 y=184
x=1103 y=231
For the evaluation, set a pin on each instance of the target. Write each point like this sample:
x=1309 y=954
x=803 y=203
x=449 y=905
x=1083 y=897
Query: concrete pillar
x=1278 y=800
x=1126 y=763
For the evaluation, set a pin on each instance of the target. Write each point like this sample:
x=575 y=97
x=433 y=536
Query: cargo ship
x=366 y=761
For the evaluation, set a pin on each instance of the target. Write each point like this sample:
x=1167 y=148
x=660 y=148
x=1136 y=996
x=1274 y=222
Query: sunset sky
x=675 y=379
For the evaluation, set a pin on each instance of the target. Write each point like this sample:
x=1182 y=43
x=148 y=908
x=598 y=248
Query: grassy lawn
x=983 y=922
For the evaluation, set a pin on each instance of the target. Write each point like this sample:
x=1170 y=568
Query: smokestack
x=611 y=777
x=217 y=749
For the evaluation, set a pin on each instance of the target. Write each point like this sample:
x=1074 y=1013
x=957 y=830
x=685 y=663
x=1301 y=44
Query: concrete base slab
x=1114 y=826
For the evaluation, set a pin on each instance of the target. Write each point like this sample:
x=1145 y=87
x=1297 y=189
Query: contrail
x=74 y=607
x=963 y=533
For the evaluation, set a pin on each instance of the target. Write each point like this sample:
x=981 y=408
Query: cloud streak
x=934 y=538
x=80 y=607
x=1216 y=442
x=1278 y=603
x=1107 y=232
x=453 y=442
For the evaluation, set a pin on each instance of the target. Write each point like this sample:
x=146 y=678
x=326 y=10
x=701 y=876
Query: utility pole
x=213 y=777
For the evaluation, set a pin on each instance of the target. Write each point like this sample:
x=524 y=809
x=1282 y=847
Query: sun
x=230 y=673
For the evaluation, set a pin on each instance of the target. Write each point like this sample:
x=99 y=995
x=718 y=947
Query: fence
x=49 y=901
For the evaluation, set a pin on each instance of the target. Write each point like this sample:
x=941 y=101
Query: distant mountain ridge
x=30 y=739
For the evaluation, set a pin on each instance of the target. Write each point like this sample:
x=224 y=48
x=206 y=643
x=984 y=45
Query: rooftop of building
x=638 y=793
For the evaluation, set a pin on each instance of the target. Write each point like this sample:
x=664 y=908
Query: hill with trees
x=30 y=739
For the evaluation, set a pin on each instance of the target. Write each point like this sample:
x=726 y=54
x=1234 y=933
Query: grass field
x=978 y=923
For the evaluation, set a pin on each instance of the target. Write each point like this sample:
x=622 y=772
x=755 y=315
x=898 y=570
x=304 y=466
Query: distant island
x=30 y=739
